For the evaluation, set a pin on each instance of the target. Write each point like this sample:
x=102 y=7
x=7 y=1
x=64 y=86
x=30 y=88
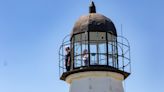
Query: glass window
x=93 y=54
x=97 y=36
x=101 y=36
x=112 y=50
x=77 y=38
x=77 y=50
x=77 y=61
x=102 y=47
x=93 y=36
x=84 y=54
x=110 y=47
x=111 y=37
x=115 y=54
x=72 y=50
x=102 y=54
x=77 y=54
x=80 y=50
x=84 y=36
x=98 y=48
x=110 y=62
x=93 y=48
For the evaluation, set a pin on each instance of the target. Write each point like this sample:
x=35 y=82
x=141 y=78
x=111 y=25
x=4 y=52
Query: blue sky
x=31 y=32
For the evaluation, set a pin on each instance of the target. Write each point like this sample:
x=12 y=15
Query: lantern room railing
x=119 y=60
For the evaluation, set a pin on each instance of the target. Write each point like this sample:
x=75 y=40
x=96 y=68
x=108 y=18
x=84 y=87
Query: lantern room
x=94 y=46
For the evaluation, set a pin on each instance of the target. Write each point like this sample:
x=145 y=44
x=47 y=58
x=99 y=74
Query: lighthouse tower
x=94 y=58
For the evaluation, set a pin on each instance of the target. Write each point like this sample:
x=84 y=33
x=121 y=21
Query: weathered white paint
x=95 y=82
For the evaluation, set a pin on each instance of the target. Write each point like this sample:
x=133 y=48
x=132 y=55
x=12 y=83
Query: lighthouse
x=93 y=57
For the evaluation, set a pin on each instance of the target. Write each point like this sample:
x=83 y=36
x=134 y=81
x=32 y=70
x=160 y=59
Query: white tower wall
x=95 y=81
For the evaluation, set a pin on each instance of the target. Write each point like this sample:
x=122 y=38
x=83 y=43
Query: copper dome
x=94 y=22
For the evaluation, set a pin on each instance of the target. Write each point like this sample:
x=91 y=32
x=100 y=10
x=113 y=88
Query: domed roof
x=94 y=22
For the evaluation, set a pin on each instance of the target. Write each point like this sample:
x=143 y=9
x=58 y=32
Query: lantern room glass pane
x=101 y=36
x=115 y=55
x=102 y=54
x=98 y=36
x=98 y=48
x=84 y=36
x=84 y=54
x=80 y=46
x=112 y=50
x=93 y=36
x=93 y=54
x=77 y=50
x=111 y=37
x=77 y=54
x=110 y=53
x=110 y=47
x=77 y=61
x=77 y=38
x=72 y=53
